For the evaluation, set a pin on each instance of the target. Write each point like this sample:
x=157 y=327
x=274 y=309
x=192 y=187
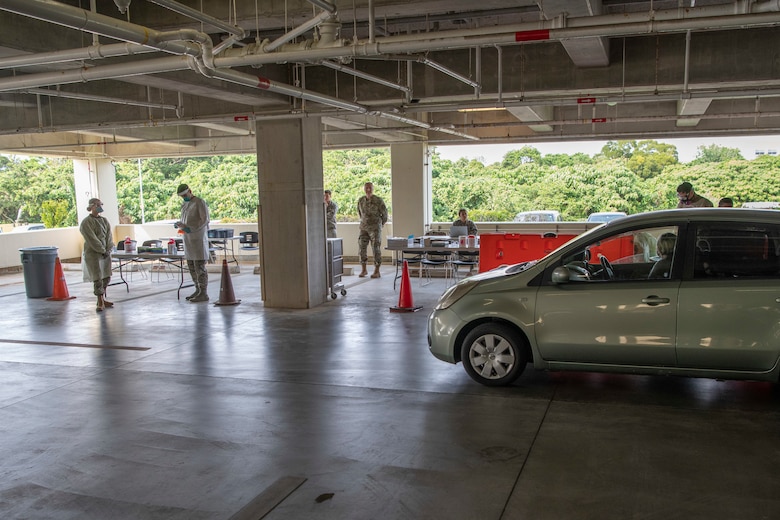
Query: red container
x=612 y=249
x=511 y=248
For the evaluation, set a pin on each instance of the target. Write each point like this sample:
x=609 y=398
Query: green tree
x=716 y=154
x=618 y=149
x=54 y=213
x=516 y=158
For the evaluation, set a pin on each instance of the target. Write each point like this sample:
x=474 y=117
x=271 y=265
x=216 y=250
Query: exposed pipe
x=322 y=4
x=201 y=17
x=83 y=20
x=249 y=80
x=449 y=72
x=364 y=75
x=542 y=31
x=119 y=70
x=294 y=33
x=687 y=60
x=96 y=98
x=371 y=22
x=83 y=53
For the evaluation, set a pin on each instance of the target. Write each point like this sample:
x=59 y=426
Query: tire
x=343 y=292
x=493 y=354
x=333 y=295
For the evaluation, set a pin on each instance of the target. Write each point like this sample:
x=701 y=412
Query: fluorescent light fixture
x=481 y=109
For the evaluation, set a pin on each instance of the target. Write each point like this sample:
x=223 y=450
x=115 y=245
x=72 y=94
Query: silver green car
x=693 y=292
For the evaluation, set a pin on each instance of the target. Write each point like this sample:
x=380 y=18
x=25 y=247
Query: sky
x=686 y=148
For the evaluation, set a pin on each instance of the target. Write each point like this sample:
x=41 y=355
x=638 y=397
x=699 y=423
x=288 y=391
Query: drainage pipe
x=322 y=4
x=99 y=99
x=201 y=17
x=542 y=31
x=118 y=70
x=75 y=18
x=451 y=73
x=294 y=33
x=364 y=75
x=83 y=53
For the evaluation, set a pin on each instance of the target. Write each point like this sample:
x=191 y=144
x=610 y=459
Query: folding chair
x=413 y=259
x=436 y=261
x=249 y=240
x=465 y=259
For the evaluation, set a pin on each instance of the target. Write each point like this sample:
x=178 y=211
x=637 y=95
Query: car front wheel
x=493 y=354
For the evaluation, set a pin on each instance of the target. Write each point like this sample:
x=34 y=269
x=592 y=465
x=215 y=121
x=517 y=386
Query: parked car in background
x=538 y=216
x=605 y=216
x=690 y=292
x=761 y=205
x=28 y=227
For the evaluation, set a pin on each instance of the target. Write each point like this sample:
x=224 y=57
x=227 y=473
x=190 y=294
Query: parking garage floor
x=162 y=409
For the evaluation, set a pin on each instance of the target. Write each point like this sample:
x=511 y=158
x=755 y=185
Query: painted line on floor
x=61 y=344
x=271 y=497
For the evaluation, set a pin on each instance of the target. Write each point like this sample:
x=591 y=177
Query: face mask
x=187 y=199
x=99 y=209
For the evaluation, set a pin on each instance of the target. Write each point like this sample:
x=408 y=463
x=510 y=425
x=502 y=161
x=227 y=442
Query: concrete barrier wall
x=70 y=242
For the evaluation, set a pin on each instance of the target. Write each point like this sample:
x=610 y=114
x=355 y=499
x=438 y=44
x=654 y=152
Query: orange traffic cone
x=226 y=295
x=60 y=287
x=405 y=301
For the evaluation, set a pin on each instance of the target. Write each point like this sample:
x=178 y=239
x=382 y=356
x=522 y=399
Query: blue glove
x=187 y=230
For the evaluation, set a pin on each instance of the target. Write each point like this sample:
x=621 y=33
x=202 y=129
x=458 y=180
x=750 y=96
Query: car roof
x=698 y=214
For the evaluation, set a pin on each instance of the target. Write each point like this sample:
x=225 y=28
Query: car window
x=640 y=254
x=737 y=250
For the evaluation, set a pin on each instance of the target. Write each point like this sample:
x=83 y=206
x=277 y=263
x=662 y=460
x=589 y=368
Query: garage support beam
x=291 y=214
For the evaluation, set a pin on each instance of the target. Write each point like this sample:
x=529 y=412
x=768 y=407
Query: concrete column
x=96 y=178
x=291 y=214
x=411 y=181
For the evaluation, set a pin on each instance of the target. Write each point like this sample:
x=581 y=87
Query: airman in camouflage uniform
x=373 y=215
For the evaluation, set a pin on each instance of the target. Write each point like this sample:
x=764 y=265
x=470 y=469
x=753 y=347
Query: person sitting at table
x=463 y=220
x=98 y=243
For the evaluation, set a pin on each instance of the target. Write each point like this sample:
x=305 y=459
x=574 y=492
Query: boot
x=194 y=295
x=376 y=274
x=100 y=304
x=201 y=297
x=107 y=303
x=203 y=289
x=363 y=273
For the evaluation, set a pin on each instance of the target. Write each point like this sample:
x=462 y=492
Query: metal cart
x=335 y=267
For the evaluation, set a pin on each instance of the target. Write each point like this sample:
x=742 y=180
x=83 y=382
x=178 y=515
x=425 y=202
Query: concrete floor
x=160 y=408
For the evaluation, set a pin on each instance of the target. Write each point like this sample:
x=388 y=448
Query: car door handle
x=655 y=300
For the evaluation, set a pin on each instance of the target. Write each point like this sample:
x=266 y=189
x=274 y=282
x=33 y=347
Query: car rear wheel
x=493 y=354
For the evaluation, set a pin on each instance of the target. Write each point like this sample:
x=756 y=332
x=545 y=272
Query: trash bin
x=38 y=266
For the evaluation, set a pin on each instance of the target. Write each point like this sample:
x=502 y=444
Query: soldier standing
x=330 y=215
x=373 y=215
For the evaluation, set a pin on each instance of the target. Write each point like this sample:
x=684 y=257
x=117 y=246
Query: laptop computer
x=458 y=231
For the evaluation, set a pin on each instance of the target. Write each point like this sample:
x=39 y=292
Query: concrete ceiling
x=161 y=79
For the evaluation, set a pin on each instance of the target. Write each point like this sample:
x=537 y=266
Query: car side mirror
x=560 y=275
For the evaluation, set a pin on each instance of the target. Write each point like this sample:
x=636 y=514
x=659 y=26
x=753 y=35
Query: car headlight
x=453 y=294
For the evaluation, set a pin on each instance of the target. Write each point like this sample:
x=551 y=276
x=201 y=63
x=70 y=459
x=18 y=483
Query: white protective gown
x=195 y=215
x=97 y=241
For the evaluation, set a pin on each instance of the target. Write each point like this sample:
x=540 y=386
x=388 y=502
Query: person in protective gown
x=194 y=223
x=98 y=243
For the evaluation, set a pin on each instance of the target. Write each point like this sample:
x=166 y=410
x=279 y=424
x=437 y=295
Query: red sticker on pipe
x=241 y=118
x=599 y=120
x=530 y=36
x=263 y=83
x=586 y=100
